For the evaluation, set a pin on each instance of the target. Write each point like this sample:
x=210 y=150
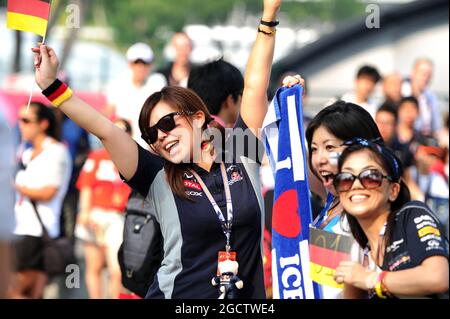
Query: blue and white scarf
x=284 y=140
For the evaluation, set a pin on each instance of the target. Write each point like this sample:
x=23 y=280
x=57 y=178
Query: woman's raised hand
x=271 y=8
x=46 y=64
x=291 y=80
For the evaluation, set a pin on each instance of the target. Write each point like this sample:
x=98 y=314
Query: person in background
x=429 y=120
x=392 y=88
x=443 y=134
x=177 y=72
x=430 y=176
x=44 y=179
x=386 y=119
x=6 y=203
x=405 y=250
x=128 y=92
x=407 y=138
x=100 y=223
x=365 y=84
x=219 y=84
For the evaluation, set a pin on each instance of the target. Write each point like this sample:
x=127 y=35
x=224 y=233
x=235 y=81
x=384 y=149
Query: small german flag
x=28 y=15
x=326 y=251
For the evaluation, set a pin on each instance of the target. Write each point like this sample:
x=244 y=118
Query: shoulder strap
x=45 y=234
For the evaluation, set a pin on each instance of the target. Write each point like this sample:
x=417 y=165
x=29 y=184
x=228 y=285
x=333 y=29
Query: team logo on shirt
x=188 y=175
x=234 y=174
x=429 y=230
x=194 y=193
x=432 y=244
x=395 y=245
x=430 y=236
x=192 y=184
x=422 y=218
x=193 y=188
x=399 y=260
x=426 y=223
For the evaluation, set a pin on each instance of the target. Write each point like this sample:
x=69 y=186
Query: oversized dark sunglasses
x=369 y=179
x=165 y=124
x=26 y=120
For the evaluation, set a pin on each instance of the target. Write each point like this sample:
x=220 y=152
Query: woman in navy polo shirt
x=206 y=198
x=406 y=252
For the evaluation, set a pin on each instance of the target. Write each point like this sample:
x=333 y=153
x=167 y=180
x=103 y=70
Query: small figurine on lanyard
x=229 y=282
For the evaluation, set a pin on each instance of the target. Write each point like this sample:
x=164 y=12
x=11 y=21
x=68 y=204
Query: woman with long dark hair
x=325 y=136
x=406 y=252
x=205 y=214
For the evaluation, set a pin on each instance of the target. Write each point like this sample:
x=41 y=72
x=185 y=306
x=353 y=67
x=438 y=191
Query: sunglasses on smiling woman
x=369 y=179
x=165 y=124
x=26 y=120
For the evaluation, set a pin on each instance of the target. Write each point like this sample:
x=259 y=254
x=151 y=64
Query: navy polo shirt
x=417 y=234
x=192 y=232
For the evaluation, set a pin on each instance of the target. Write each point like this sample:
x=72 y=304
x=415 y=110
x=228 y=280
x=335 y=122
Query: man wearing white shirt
x=429 y=120
x=365 y=84
x=127 y=94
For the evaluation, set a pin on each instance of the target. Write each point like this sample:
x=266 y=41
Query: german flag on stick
x=28 y=15
x=326 y=251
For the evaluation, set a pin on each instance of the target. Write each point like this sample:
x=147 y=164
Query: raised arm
x=120 y=146
x=257 y=75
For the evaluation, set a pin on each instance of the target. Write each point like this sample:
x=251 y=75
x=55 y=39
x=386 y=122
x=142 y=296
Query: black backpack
x=141 y=252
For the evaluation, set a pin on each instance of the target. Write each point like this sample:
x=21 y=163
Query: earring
x=206 y=146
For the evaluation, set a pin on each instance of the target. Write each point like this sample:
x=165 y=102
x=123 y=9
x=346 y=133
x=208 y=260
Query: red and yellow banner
x=28 y=15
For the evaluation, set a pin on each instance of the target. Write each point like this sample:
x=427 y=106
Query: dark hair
x=345 y=121
x=410 y=99
x=369 y=71
x=46 y=113
x=389 y=107
x=187 y=102
x=394 y=168
x=214 y=82
x=126 y=123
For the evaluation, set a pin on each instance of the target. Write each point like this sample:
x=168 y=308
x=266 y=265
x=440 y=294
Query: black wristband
x=266 y=33
x=270 y=23
x=52 y=88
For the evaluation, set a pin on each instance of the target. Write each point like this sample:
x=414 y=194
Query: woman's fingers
x=339 y=276
x=37 y=58
x=290 y=81
x=46 y=53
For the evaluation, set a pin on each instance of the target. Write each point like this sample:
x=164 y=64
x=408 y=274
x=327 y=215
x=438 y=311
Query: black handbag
x=58 y=252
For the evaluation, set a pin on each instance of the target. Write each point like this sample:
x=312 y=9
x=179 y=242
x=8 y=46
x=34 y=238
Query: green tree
x=152 y=21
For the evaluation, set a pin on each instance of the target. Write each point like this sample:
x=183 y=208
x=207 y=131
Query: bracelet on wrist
x=57 y=93
x=270 y=23
x=384 y=288
x=269 y=33
x=380 y=288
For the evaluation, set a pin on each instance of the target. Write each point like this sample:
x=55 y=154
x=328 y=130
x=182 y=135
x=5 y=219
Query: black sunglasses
x=165 y=124
x=26 y=120
x=370 y=179
x=140 y=61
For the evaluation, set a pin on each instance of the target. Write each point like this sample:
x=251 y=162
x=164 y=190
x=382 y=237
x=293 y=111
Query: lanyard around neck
x=226 y=224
